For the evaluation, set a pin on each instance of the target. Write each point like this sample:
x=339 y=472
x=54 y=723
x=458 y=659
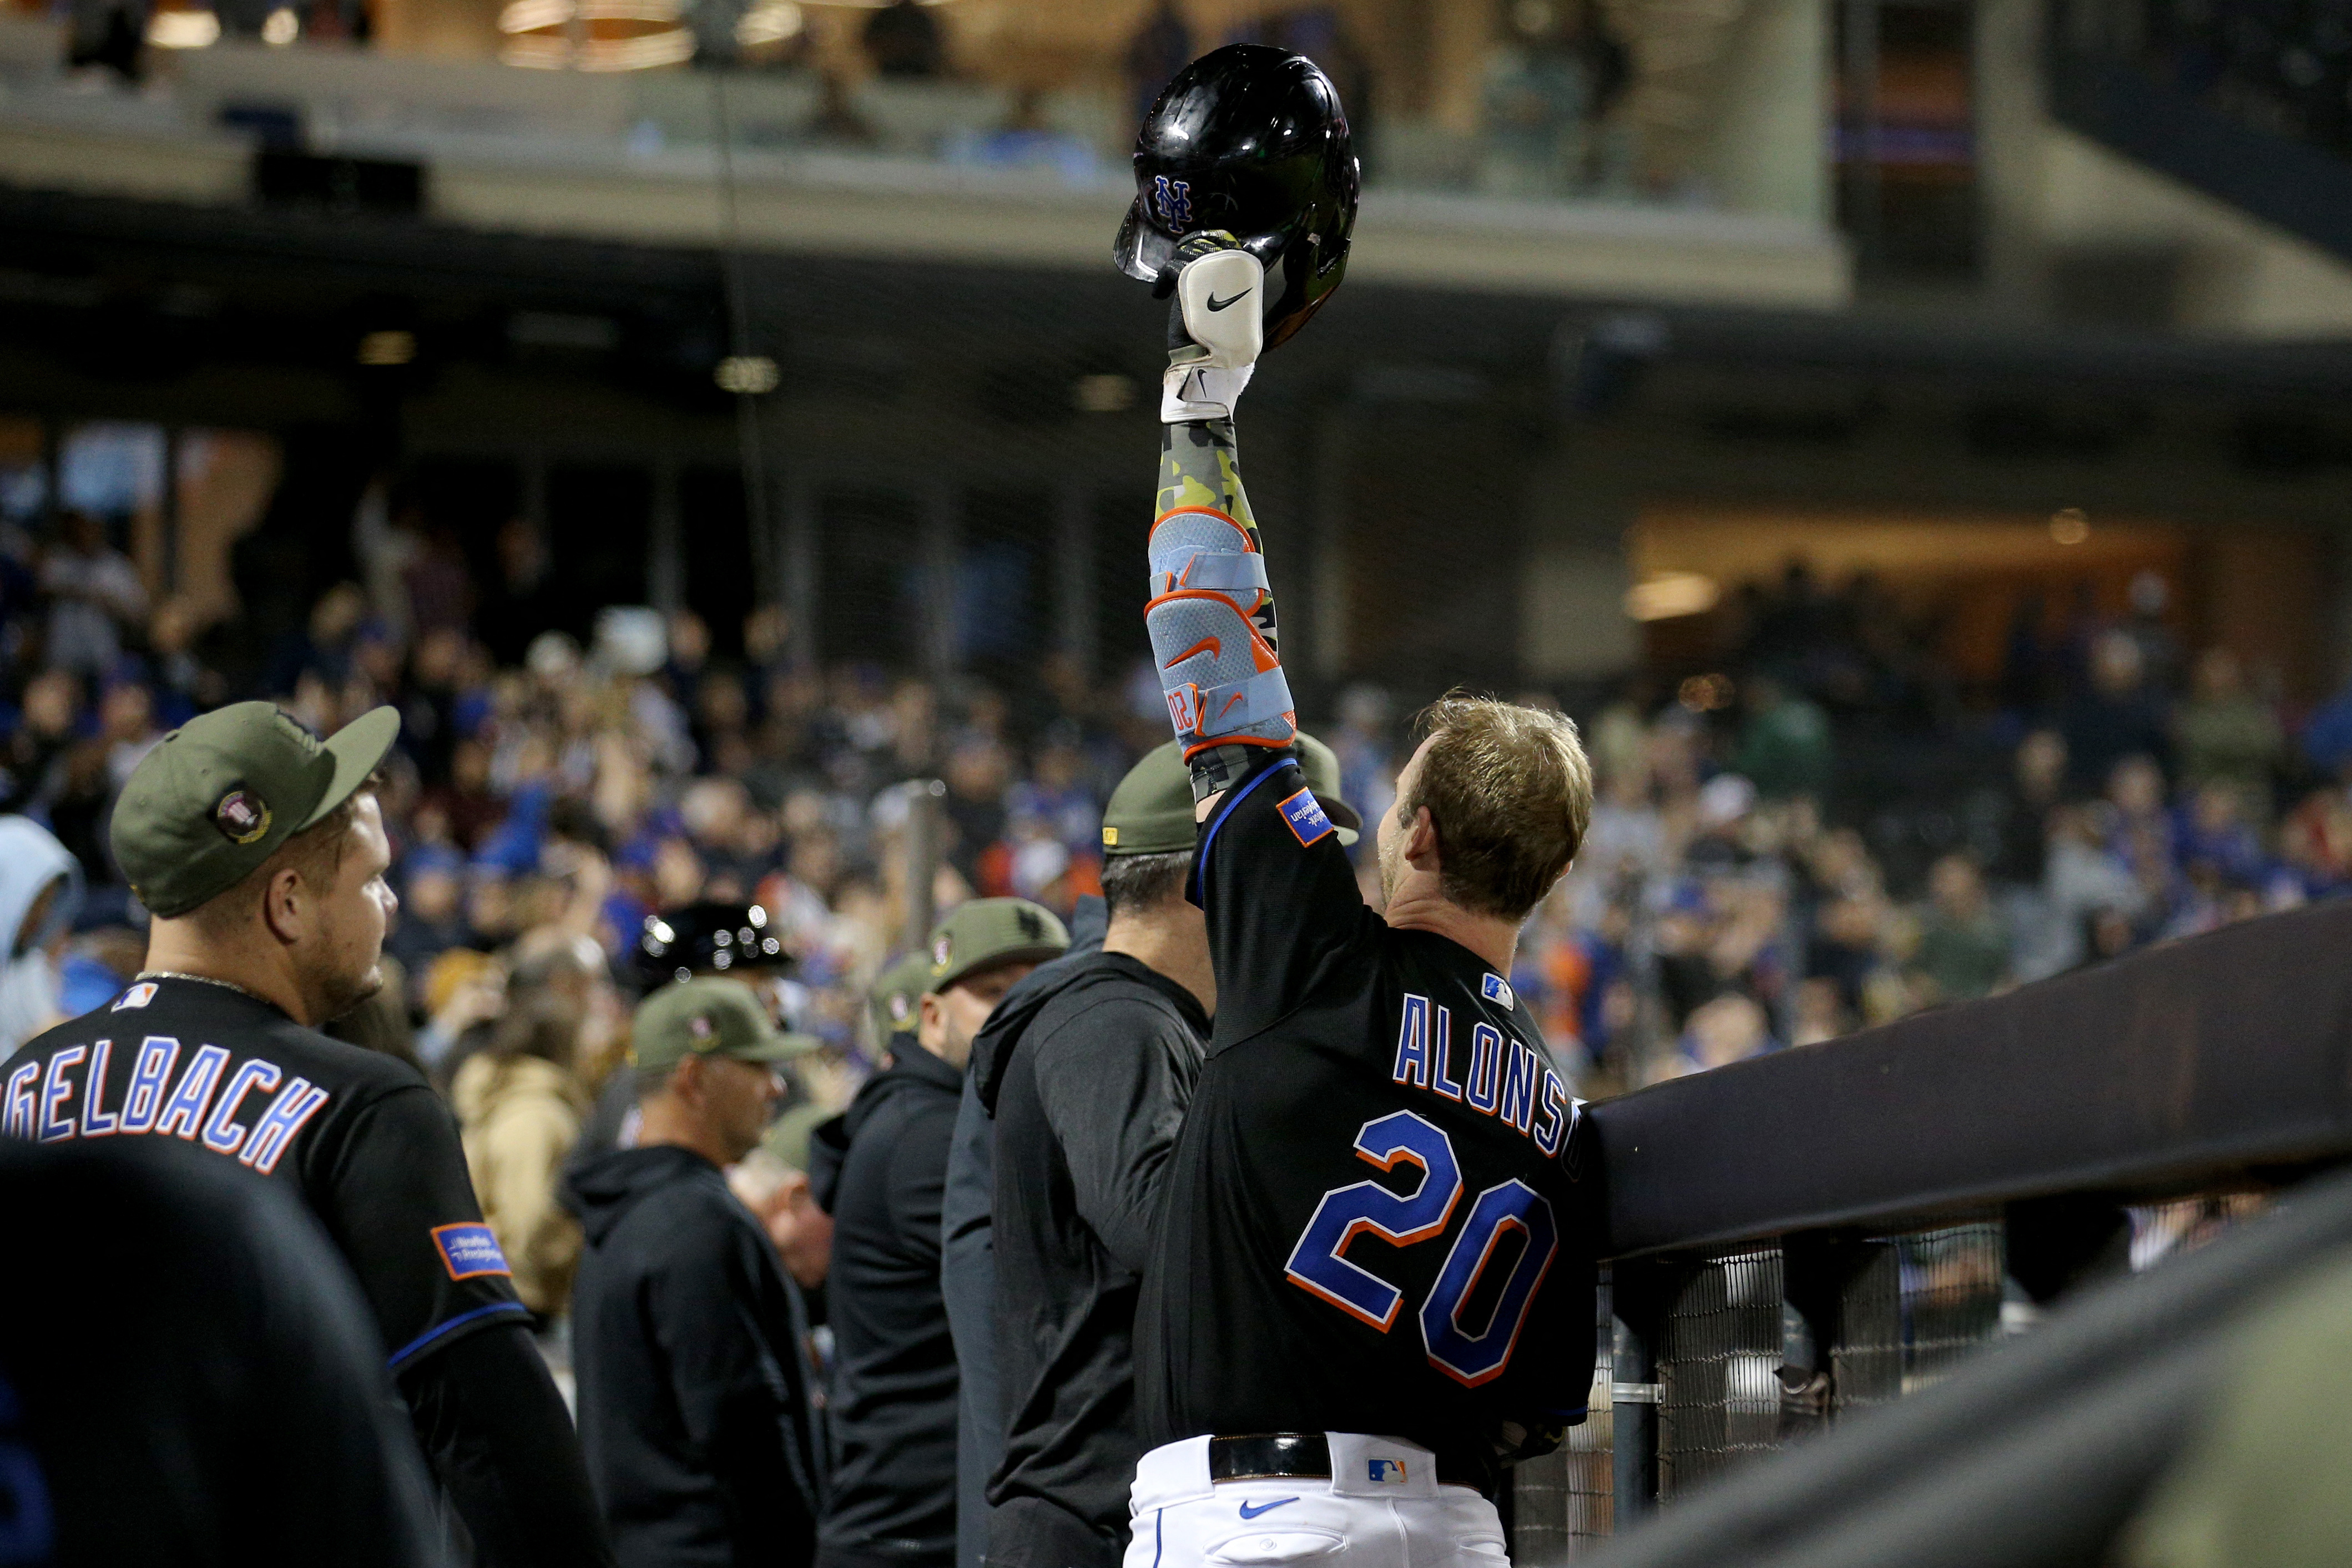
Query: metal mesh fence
x=1952 y=1286
x=1911 y=1308
x=1562 y=1501
x=1718 y=1370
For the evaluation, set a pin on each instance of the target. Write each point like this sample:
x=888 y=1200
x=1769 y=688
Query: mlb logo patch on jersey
x=137 y=995
x=1495 y=988
x=1389 y=1472
x=1305 y=814
x=469 y=1251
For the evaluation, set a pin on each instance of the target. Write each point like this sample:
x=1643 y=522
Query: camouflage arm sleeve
x=1200 y=465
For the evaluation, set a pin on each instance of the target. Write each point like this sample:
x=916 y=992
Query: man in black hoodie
x=687 y=1334
x=1088 y=1078
x=880 y=1170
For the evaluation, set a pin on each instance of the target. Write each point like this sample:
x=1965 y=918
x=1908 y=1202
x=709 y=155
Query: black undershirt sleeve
x=496 y=1433
x=1279 y=893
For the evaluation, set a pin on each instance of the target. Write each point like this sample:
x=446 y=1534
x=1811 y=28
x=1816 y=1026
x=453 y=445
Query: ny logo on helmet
x=1173 y=200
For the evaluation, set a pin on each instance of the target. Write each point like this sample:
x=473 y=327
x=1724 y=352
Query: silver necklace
x=205 y=981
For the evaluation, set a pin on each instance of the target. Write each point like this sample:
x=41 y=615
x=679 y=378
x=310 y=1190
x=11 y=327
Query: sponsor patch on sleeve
x=469 y=1251
x=1305 y=814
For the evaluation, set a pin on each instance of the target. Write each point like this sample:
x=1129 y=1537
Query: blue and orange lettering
x=148 y=1076
x=184 y=1113
x=295 y=1104
x=222 y=1136
x=19 y=1121
x=56 y=1090
x=1552 y=1119
x=1518 y=1100
x=1479 y=1090
x=96 y=1121
x=1412 y=1043
x=1441 y=1056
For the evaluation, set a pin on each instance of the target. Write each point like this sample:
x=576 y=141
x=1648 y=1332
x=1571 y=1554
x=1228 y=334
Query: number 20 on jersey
x=1470 y=1354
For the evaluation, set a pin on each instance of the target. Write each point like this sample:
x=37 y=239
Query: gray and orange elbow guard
x=1221 y=676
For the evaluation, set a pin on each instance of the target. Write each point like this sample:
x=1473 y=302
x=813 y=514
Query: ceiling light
x=388 y=348
x=1106 y=394
x=673 y=48
x=183 y=29
x=749 y=373
x=2070 y=526
x=281 y=27
x=530 y=15
x=627 y=11
x=770 y=22
x=1664 y=595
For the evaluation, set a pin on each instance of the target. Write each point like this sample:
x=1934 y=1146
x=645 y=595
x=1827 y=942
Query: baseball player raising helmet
x=1372 y=1290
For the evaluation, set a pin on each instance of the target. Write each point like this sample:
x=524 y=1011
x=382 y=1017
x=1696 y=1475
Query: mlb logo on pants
x=1389 y=1470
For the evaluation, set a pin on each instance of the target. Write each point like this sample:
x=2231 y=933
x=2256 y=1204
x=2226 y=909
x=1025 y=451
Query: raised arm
x=1211 y=615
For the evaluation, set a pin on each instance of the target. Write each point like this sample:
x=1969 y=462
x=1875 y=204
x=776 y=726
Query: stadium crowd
x=1734 y=896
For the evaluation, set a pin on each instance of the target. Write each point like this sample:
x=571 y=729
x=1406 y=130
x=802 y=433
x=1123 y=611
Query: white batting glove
x=1215 y=333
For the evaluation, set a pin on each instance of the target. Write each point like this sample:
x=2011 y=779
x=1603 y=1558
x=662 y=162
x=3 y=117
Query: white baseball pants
x=1382 y=1507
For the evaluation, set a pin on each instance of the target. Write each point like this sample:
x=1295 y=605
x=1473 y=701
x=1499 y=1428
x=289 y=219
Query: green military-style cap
x=987 y=932
x=708 y=1017
x=1150 y=812
x=218 y=796
x=895 y=993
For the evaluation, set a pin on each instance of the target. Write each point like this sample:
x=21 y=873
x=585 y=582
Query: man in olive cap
x=687 y=1332
x=1088 y=1078
x=260 y=851
x=880 y=1170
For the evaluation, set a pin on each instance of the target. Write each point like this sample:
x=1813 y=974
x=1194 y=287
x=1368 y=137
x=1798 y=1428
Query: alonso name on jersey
x=1372 y=1220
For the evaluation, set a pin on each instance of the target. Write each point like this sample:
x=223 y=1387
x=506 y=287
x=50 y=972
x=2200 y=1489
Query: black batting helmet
x=1252 y=140
x=708 y=938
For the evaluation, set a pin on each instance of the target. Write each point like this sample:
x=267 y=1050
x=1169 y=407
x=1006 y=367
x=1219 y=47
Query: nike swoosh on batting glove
x=1215 y=329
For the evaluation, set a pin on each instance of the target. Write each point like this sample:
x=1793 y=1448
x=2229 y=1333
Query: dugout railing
x=1800 y=1238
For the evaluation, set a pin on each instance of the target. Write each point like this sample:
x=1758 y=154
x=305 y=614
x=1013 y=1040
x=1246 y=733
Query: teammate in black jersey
x=260 y=852
x=1372 y=1286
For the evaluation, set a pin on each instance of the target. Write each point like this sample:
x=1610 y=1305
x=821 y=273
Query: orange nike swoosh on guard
x=1216 y=648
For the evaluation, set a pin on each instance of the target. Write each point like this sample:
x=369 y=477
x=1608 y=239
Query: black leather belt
x=1301 y=1456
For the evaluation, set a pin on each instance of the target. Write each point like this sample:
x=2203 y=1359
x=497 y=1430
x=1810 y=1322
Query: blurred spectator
x=2229 y=738
x=95 y=596
x=1731 y=1027
x=1963 y=944
x=518 y=1106
x=1547 y=82
x=779 y=1197
x=2117 y=717
x=1160 y=47
x=52 y=704
x=1785 y=747
x=903 y=39
x=40 y=891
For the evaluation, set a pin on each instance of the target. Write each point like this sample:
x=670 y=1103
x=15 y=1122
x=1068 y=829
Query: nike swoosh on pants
x=1249 y=1512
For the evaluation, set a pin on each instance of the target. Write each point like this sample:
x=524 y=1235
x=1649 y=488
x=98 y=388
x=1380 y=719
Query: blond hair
x=1509 y=792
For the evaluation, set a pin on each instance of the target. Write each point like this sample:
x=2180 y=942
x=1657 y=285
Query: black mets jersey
x=1370 y=1224
x=367 y=1146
